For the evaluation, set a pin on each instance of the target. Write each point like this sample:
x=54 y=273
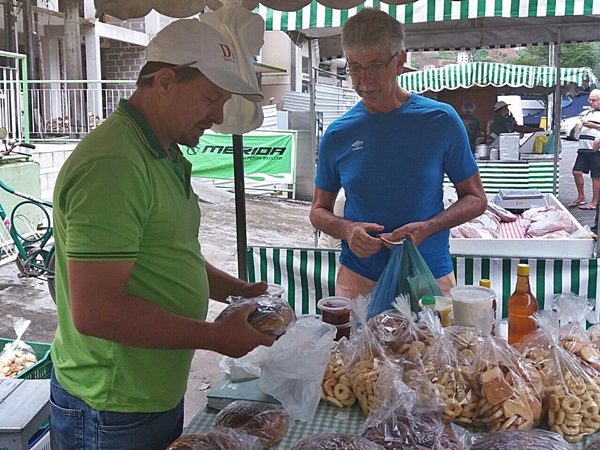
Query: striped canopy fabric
x=482 y=74
x=453 y=25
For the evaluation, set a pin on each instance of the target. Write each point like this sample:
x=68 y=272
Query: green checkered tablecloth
x=326 y=419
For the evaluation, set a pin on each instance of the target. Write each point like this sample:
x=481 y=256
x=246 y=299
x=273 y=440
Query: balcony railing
x=68 y=110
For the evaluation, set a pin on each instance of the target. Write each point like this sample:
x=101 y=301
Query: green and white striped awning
x=316 y=15
x=451 y=25
x=482 y=74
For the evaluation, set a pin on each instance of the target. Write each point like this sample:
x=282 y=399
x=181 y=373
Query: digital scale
x=519 y=200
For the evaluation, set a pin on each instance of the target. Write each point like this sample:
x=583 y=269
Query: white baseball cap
x=191 y=43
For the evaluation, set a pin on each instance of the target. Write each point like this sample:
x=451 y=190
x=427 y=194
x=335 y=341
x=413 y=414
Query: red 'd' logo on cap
x=227 y=53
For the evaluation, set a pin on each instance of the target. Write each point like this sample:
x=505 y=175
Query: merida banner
x=268 y=156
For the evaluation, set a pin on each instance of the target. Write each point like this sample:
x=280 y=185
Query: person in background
x=588 y=155
x=132 y=284
x=392 y=174
x=502 y=121
x=472 y=124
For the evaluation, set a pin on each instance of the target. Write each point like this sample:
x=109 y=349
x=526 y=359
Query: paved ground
x=271 y=221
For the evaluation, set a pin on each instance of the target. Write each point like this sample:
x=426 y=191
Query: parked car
x=570 y=127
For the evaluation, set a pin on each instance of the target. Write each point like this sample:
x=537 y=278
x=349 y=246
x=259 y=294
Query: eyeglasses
x=593 y=99
x=371 y=69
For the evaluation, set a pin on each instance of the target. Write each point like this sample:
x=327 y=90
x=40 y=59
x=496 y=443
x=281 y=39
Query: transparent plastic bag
x=449 y=374
x=407 y=421
x=571 y=387
x=521 y=440
x=510 y=387
x=335 y=441
x=266 y=421
x=17 y=356
x=217 y=438
x=273 y=315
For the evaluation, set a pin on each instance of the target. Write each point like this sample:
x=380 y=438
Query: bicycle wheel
x=51 y=277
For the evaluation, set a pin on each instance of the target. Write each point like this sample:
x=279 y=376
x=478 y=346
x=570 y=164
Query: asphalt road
x=270 y=222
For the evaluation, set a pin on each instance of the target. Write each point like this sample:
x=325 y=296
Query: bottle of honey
x=486 y=283
x=521 y=305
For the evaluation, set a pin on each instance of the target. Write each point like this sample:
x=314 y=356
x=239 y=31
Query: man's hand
x=250 y=290
x=592 y=125
x=237 y=336
x=361 y=242
x=416 y=231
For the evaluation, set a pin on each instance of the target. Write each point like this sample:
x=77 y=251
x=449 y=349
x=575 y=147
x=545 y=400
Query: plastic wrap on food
x=273 y=315
x=570 y=385
x=469 y=231
x=17 y=356
x=217 y=438
x=502 y=214
x=510 y=387
x=550 y=222
x=521 y=440
x=335 y=441
x=594 y=444
x=409 y=422
x=266 y=421
x=449 y=374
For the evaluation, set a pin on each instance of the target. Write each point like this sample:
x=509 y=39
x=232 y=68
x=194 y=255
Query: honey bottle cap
x=484 y=282
x=523 y=269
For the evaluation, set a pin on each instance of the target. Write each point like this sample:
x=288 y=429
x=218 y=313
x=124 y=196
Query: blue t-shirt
x=392 y=167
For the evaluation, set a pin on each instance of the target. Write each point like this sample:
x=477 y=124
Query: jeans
x=77 y=426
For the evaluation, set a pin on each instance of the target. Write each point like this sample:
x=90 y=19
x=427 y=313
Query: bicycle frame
x=28 y=249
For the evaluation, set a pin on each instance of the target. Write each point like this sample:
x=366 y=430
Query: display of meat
x=503 y=214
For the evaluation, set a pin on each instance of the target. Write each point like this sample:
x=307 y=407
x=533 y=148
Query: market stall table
x=325 y=419
x=24 y=407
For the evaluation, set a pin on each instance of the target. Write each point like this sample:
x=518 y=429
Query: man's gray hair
x=468 y=107
x=371 y=29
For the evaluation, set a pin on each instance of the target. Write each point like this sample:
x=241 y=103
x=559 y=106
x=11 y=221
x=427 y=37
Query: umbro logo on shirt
x=357 y=145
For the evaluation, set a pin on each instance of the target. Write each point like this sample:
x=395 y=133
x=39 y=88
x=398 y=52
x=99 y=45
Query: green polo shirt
x=119 y=198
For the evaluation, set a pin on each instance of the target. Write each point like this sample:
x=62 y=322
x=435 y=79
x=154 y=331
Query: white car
x=570 y=127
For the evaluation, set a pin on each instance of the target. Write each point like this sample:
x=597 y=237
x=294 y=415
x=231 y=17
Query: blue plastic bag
x=405 y=273
x=386 y=288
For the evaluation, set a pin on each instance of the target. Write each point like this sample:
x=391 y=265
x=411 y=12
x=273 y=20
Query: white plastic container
x=470 y=304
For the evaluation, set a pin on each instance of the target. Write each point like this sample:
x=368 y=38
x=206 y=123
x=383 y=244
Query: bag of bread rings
x=398 y=332
x=572 y=388
x=266 y=421
x=17 y=356
x=508 y=386
x=217 y=438
x=573 y=312
x=449 y=374
x=273 y=315
x=407 y=421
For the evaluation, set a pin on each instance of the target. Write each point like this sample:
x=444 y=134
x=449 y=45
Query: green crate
x=40 y=370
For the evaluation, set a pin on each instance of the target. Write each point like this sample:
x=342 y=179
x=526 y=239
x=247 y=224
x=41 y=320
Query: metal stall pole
x=557 y=112
x=240 y=206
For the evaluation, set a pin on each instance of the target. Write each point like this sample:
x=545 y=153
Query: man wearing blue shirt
x=390 y=153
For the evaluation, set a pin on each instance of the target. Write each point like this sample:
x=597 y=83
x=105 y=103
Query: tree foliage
x=585 y=54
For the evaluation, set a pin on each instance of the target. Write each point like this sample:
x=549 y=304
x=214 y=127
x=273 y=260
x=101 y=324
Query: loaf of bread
x=335 y=441
x=266 y=421
x=521 y=440
x=273 y=315
x=217 y=439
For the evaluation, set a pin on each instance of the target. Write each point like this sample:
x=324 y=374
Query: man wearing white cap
x=132 y=284
x=503 y=122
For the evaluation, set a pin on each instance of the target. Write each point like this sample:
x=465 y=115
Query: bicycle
x=32 y=244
